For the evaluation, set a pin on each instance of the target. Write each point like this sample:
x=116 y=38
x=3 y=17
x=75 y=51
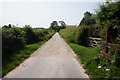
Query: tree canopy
x=54 y=25
x=108 y=16
x=88 y=19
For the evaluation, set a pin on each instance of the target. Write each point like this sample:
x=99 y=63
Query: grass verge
x=89 y=57
x=11 y=61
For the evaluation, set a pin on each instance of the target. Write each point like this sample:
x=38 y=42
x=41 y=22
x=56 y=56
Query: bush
x=78 y=35
x=43 y=34
x=108 y=16
x=29 y=34
x=82 y=37
x=12 y=39
x=39 y=34
x=15 y=38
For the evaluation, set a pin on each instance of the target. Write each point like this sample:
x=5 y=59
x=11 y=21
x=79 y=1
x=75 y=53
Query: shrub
x=43 y=34
x=12 y=39
x=29 y=34
x=39 y=34
x=82 y=37
x=108 y=16
x=15 y=38
x=78 y=35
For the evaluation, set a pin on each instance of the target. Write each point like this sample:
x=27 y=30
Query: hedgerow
x=78 y=35
x=15 y=38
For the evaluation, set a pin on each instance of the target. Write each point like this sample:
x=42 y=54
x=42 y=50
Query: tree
x=63 y=25
x=108 y=16
x=54 y=25
x=87 y=15
x=9 y=26
x=5 y=26
x=88 y=19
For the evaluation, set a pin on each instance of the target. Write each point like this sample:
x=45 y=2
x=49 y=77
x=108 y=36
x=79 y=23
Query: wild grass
x=11 y=61
x=89 y=57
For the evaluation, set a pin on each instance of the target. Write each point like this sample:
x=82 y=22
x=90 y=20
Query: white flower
x=99 y=66
x=107 y=69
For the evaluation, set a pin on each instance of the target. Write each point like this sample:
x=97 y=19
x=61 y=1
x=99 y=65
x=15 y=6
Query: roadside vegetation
x=18 y=43
x=94 y=25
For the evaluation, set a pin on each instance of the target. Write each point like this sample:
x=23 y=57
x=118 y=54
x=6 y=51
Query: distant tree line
x=54 y=25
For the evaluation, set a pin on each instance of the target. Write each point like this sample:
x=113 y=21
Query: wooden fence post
x=106 y=40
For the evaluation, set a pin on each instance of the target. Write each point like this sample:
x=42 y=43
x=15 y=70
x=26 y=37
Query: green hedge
x=12 y=39
x=78 y=35
x=15 y=38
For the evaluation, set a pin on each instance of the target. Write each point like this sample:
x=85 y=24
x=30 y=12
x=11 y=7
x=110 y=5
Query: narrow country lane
x=54 y=59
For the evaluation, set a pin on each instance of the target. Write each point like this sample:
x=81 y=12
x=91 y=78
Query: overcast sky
x=39 y=13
